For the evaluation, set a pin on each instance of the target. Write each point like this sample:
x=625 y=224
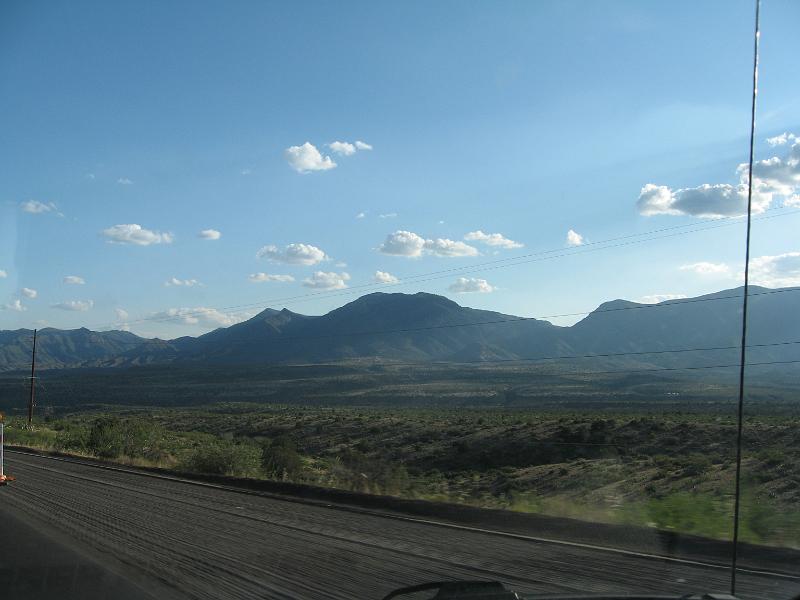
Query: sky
x=169 y=168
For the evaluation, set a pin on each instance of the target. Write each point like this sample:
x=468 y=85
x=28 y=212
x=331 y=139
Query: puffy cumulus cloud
x=348 y=149
x=209 y=234
x=781 y=270
x=384 y=277
x=135 y=235
x=36 y=208
x=262 y=277
x=174 y=281
x=75 y=305
x=574 y=238
x=403 y=243
x=656 y=298
x=15 y=305
x=492 y=239
x=656 y=200
x=707 y=268
x=707 y=200
x=200 y=315
x=306 y=158
x=780 y=140
x=124 y=181
x=29 y=293
x=322 y=280
x=775 y=176
x=74 y=280
x=3 y=274
x=407 y=243
x=293 y=254
x=449 y=248
x=361 y=215
x=342 y=148
x=470 y=285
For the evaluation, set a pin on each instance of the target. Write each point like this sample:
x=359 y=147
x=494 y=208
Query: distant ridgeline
x=423 y=327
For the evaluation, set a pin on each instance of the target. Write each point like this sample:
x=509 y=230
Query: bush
x=106 y=438
x=279 y=459
x=111 y=437
x=224 y=458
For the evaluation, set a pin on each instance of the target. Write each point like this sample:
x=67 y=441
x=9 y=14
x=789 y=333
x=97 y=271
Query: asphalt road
x=174 y=539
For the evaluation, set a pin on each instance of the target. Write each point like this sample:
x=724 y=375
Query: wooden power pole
x=33 y=382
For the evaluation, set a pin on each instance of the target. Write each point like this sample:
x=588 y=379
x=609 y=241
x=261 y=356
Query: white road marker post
x=4 y=479
x=2 y=475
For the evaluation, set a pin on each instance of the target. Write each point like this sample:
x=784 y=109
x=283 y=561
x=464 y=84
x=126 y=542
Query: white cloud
x=492 y=239
x=262 y=277
x=361 y=215
x=574 y=238
x=470 y=285
x=35 y=207
x=74 y=280
x=201 y=315
x=793 y=200
x=391 y=215
x=136 y=235
x=707 y=200
x=293 y=254
x=363 y=145
x=445 y=247
x=90 y=176
x=15 y=305
x=29 y=293
x=323 y=280
x=781 y=270
x=403 y=243
x=124 y=181
x=775 y=176
x=384 y=277
x=656 y=298
x=174 y=281
x=209 y=234
x=75 y=305
x=342 y=148
x=707 y=268
x=306 y=158
x=245 y=172
x=780 y=140
x=3 y=274
x=407 y=243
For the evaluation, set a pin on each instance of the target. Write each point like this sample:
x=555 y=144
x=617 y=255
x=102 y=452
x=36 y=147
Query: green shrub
x=280 y=459
x=106 y=438
x=224 y=458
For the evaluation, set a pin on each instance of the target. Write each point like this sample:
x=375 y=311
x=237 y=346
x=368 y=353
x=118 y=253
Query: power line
x=393 y=363
x=468 y=269
x=667 y=304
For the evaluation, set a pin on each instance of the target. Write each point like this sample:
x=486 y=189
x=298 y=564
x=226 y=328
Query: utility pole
x=33 y=381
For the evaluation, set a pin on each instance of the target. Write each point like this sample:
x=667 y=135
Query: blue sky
x=523 y=119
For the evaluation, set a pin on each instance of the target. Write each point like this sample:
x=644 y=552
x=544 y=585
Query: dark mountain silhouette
x=426 y=327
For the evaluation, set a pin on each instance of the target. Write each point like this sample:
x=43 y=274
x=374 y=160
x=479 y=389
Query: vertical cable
x=740 y=415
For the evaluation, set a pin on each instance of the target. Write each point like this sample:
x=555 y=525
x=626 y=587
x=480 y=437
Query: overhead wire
x=487 y=266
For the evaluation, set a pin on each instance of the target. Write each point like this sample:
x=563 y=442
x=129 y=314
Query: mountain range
x=425 y=327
